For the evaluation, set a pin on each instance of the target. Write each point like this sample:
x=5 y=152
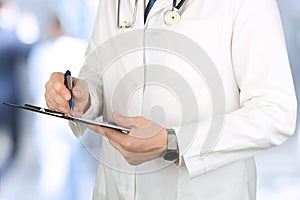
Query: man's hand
x=58 y=96
x=146 y=141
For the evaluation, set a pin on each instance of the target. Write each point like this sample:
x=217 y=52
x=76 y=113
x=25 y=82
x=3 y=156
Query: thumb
x=79 y=90
x=122 y=120
x=76 y=92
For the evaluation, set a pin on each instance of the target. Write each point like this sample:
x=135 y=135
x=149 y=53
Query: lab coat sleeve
x=267 y=113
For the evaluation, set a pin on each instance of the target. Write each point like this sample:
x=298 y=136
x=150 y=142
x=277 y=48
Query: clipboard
x=54 y=113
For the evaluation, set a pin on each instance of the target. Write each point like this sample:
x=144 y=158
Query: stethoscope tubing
x=180 y=4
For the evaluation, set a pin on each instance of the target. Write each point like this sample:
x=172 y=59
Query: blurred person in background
x=13 y=53
x=55 y=144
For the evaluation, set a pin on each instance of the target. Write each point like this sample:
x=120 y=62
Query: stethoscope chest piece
x=172 y=17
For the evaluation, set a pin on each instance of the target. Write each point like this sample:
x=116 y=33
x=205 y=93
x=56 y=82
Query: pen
x=68 y=83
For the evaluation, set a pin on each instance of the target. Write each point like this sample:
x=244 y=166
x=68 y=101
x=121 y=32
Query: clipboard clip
x=45 y=110
x=38 y=109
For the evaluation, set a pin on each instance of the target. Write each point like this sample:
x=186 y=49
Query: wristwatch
x=171 y=153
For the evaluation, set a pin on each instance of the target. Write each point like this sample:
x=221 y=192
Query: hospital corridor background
x=39 y=156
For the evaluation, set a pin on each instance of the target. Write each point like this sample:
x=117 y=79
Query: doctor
x=244 y=40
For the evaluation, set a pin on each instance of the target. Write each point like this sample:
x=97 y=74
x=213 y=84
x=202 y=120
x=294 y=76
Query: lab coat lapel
x=158 y=6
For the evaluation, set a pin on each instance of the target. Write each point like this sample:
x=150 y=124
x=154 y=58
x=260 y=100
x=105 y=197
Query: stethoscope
x=171 y=17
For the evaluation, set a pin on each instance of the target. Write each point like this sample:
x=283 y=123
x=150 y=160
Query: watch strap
x=171 y=153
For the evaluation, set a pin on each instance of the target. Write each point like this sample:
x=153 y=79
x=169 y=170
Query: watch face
x=171 y=155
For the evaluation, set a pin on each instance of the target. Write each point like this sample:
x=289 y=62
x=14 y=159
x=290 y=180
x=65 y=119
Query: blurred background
x=38 y=37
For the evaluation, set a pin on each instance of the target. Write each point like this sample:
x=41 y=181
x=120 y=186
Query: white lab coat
x=244 y=39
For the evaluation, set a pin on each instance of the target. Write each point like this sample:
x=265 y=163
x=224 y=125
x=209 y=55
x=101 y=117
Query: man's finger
x=116 y=145
x=97 y=129
x=57 y=80
x=113 y=135
x=123 y=121
x=77 y=93
x=56 y=97
x=78 y=89
x=77 y=113
x=52 y=104
x=65 y=93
